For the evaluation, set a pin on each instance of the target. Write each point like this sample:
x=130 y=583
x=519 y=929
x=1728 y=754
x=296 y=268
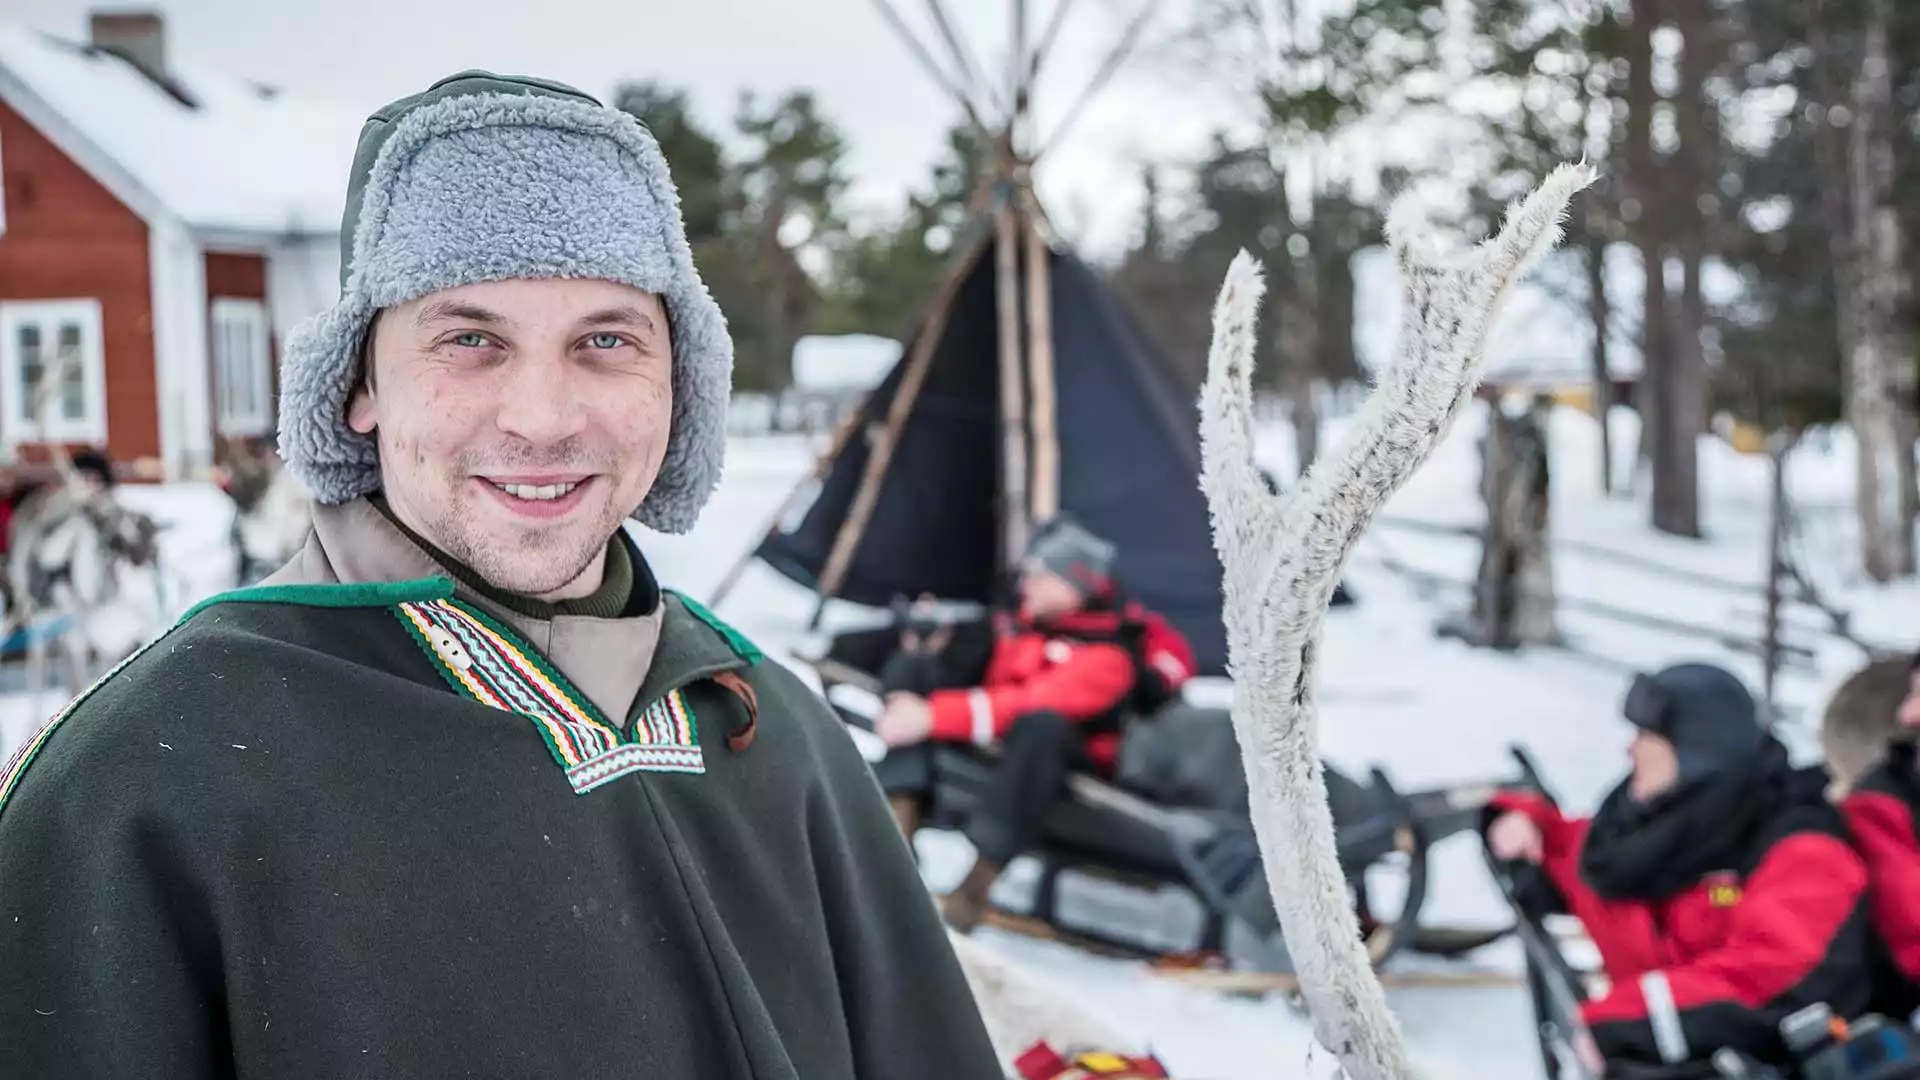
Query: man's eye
x=605 y=341
x=471 y=339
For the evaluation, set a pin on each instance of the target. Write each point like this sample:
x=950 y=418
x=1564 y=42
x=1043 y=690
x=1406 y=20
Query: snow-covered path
x=1428 y=711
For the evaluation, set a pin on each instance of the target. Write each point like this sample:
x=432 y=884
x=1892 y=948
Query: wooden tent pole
x=962 y=56
x=1047 y=36
x=1129 y=38
x=867 y=495
x=933 y=69
x=1014 y=507
x=1046 y=442
x=1017 y=70
x=821 y=466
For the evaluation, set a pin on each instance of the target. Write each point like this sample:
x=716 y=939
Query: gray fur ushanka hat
x=484 y=177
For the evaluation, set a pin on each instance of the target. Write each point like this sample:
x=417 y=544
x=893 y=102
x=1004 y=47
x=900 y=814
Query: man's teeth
x=537 y=491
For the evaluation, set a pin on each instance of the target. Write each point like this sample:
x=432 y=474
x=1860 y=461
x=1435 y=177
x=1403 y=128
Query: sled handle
x=1555 y=986
x=1530 y=774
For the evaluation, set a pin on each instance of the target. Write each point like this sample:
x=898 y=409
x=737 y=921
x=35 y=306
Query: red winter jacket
x=1716 y=964
x=1074 y=666
x=1880 y=814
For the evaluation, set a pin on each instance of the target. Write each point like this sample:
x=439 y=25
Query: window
x=242 y=366
x=54 y=372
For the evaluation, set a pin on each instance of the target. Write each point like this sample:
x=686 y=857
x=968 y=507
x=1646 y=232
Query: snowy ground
x=1429 y=711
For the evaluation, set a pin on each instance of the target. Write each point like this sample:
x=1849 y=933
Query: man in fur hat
x=462 y=790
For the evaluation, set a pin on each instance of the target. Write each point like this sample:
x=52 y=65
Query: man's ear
x=360 y=410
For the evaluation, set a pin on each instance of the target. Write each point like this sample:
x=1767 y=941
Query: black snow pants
x=1031 y=773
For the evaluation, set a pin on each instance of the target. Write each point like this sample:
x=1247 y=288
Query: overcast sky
x=368 y=52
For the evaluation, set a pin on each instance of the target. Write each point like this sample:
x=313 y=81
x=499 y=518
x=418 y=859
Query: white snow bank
x=1428 y=711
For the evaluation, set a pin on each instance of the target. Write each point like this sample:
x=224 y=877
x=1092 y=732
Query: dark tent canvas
x=1128 y=466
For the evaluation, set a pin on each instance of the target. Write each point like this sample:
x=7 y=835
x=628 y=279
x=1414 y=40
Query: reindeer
x=272 y=513
x=71 y=540
x=1282 y=557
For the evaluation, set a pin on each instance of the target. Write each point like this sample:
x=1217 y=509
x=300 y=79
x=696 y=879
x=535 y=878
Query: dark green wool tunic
x=283 y=842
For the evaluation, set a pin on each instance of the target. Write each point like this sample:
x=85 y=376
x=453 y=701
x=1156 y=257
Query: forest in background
x=1777 y=139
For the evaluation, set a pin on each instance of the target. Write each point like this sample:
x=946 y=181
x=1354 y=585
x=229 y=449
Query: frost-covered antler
x=1283 y=556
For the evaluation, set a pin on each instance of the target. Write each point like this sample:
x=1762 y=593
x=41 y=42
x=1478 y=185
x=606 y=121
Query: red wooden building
x=162 y=227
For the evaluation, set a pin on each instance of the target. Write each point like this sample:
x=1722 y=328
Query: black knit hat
x=1705 y=711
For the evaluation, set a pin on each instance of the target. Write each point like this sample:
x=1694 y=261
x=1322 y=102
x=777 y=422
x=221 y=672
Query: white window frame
x=243 y=406
x=91 y=427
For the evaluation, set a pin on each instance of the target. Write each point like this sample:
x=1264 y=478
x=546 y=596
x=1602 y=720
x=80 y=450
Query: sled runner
x=1123 y=834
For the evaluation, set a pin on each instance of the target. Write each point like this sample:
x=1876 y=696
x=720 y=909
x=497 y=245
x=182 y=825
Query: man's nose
x=540 y=399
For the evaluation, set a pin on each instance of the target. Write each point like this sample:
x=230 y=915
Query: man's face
x=1656 y=767
x=1909 y=715
x=519 y=422
x=1046 y=595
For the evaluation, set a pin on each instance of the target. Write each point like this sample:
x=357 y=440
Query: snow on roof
x=245 y=159
x=835 y=362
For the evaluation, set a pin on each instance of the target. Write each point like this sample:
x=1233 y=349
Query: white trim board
x=183 y=391
x=242 y=366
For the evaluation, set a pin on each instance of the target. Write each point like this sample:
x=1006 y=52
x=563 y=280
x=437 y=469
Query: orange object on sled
x=1043 y=1062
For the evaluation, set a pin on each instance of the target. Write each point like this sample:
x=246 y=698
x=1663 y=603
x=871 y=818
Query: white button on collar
x=450 y=649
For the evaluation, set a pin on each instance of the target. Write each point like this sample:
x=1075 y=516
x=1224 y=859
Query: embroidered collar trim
x=486 y=662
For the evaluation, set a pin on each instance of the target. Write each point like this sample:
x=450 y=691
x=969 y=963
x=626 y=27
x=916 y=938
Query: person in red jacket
x=1909 y=715
x=1881 y=808
x=1062 y=672
x=1715 y=881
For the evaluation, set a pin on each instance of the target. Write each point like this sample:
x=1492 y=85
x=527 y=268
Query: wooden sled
x=1105 y=831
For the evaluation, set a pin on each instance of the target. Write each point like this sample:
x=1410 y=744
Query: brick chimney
x=139 y=37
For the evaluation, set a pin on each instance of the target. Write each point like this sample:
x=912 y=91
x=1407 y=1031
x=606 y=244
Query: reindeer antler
x=1282 y=559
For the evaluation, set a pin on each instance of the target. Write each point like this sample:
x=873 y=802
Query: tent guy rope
x=1282 y=557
